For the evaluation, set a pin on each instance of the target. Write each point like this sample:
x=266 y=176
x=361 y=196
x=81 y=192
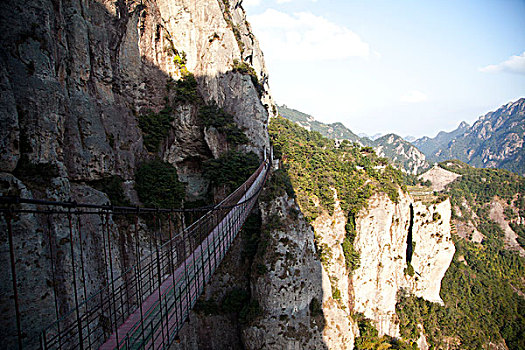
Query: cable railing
x=112 y=285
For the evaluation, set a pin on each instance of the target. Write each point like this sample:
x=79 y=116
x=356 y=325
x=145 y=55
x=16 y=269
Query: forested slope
x=483 y=288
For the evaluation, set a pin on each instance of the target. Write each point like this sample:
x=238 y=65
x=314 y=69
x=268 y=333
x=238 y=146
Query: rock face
x=429 y=145
x=495 y=140
x=439 y=177
x=289 y=292
x=340 y=330
x=496 y=213
x=389 y=235
x=76 y=75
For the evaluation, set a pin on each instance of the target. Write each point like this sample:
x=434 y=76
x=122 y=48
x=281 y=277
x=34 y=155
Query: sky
x=412 y=67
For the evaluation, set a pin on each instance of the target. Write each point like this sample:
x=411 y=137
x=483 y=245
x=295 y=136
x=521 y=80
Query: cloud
x=413 y=96
x=283 y=1
x=304 y=36
x=515 y=64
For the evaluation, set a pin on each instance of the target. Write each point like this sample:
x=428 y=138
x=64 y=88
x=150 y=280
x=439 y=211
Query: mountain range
x=401 y=152
x=495 y=140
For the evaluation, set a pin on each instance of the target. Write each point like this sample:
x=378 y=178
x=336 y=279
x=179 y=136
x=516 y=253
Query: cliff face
x=76 y=74
x=389 y=235
x=338 y=301
x=286 y=282
x=75 y=78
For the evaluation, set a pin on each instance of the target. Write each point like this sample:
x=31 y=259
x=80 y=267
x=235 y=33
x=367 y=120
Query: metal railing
x=149 y=282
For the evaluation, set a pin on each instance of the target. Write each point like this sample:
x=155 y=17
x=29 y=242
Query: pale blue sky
x=409 y=67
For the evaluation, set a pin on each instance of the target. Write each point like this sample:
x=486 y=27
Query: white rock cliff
x=382 y=235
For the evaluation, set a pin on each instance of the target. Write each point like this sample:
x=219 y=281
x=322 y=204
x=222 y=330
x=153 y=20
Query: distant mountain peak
x=463 y=125
x=494 y=140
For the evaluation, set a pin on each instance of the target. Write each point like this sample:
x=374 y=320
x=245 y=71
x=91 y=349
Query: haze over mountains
x=495 y=140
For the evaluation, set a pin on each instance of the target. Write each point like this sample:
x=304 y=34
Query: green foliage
x=316 y=308
x=180 y=59
x=314 y=164
x=481 y=185
x=436 y=216
x=158 y=185
x=278 y=184
x=323 y=253
x=331 y=131
x=351 y=255
x=409 y=270
x=244 y=68
x=214 y=116
x=112 y=186
x=231 y=169
x=336 y=293
x=369 y=338
x=520 y=231
x=155 y=127
x=186 y=89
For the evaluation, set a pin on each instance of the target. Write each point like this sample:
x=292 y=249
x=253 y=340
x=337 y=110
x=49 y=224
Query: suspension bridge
x=115 y=277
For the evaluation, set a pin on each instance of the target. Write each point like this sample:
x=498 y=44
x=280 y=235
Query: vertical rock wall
x=382 y=232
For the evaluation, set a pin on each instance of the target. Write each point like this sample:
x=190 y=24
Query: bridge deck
x=167 y=308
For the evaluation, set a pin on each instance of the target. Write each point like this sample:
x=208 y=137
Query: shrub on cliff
x=231 y=169
x=214 y=116
x=155 y=128
x=186 y=89
x=157 y=185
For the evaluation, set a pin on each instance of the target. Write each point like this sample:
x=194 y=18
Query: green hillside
x=401 y=153
x=332 y=131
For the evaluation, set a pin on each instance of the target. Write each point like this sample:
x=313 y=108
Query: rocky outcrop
x=429 y=145
x=340 y=330
x=288 y=286
x=439 y=178
x=76 y=75
x=389 y=237
x=496 y=214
